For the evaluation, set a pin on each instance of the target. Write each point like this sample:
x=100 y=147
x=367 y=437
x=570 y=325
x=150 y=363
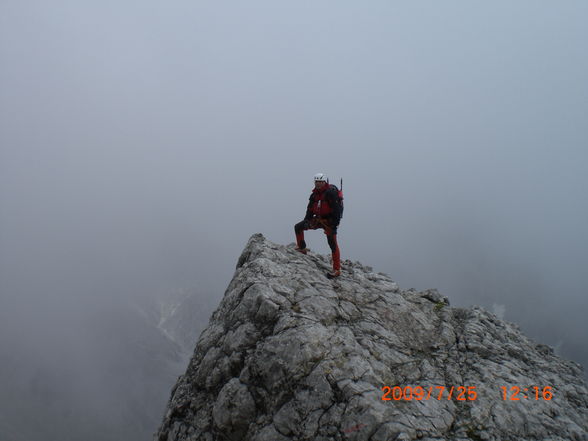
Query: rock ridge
x=292 y=355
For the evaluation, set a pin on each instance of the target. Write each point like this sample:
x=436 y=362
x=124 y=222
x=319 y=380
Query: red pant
x=331 y=232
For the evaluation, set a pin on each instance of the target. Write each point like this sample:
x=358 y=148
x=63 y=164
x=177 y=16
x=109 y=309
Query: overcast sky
x=143 y=142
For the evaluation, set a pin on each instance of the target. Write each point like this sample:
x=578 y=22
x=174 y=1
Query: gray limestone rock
x=292 y=355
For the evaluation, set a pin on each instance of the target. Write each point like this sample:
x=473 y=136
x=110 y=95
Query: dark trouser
x=315 y=224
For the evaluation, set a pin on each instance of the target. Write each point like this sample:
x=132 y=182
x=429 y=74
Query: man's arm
x=309 y=213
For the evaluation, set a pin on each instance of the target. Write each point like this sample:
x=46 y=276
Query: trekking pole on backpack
x=341 y=198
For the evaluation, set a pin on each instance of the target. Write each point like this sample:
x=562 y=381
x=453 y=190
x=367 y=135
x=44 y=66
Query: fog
x=142 y=143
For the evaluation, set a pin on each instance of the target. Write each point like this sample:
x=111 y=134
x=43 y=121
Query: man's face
x=319 y=184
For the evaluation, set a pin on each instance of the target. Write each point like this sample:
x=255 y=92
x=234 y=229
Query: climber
x=324 y=210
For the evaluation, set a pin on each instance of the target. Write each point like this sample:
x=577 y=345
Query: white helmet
x=321 y=177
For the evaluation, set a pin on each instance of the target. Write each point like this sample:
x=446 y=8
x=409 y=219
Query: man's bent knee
x=298 y=227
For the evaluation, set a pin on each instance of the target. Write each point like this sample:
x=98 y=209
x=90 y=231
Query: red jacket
x=318 y=203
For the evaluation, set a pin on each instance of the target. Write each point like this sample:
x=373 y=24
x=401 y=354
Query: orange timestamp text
x=418 y=393
x=517 y=393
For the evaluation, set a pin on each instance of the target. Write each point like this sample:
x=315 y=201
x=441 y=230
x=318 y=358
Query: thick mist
x=142 y=143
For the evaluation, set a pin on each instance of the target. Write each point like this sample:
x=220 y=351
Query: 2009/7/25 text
x=460 y=393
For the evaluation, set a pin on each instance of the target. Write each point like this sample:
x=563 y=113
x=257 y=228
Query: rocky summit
x=292 y=355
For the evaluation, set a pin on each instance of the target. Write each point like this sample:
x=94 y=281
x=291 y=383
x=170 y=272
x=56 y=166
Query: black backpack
x=337 y=196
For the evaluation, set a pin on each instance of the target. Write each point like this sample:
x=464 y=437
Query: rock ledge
x=292 y=355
